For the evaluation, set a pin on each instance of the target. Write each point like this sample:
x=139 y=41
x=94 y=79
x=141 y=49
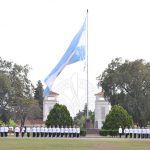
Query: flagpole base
x=88 y=124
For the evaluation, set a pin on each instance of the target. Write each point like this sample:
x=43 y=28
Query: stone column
x=102 y=108
x=48 y=103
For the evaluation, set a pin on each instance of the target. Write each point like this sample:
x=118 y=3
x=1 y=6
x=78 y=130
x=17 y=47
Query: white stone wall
x=102 y=108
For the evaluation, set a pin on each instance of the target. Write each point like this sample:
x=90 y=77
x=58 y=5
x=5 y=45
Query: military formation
x=42 y=131
x=143 y=133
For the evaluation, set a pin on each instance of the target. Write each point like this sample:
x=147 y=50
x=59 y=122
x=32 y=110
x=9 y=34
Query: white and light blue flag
x=74 y=53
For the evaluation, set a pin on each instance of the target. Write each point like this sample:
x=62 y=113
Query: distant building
x=48 y=103
x=102 y=108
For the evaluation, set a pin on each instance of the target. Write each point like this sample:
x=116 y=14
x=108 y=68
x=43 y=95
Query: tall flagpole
x=87 y=114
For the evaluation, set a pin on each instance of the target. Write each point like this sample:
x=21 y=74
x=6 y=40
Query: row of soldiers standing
x=41 y=131
x=135 y=132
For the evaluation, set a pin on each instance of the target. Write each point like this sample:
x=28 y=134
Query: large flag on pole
x=74 y=53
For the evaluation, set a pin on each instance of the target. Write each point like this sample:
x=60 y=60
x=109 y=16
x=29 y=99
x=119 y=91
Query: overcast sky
x=38 y=32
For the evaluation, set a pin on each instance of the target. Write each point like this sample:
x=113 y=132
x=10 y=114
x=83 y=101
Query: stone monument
x=102 y=108
x=48 y=103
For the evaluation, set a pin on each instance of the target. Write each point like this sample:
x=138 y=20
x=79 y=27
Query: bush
x=83 y=132
x=105 y=132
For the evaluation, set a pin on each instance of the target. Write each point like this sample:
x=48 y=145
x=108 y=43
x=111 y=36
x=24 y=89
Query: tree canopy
x=16 y=91
x=128 y=83
x=117 y=117
x=59 y=115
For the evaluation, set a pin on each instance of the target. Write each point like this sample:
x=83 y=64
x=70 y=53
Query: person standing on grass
x=28 y=130
x=6 y=130
x=126 y=132
x=62 y=131
x=17 y=130
x=78 y=132
x=130 y=132
x=120 y=131
x=50 y=131
x=37 y=131
x=66 y=132
x=22 y=131
x=33 y=131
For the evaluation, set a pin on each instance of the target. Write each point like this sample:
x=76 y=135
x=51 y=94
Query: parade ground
x=74 y=144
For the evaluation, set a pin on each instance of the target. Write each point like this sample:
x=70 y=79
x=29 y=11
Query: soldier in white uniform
x=139 y=132
x=54 y=131
x=62 y=131
x=126 y=132
x=34 y=131
x=74 y=131
x=17 y=130
x=28 y=130
x=38 y=131
x=142 y=132
x=130 y=132
x=42 y=131
x=2 y=131
x=46 y=131
x=58 y=131
x=120 y=131
x=78 y=132
x=66 y=131
x=70 y=132
x=22 y=131
x=50 y=131
x=6 y=131
x=135 y=132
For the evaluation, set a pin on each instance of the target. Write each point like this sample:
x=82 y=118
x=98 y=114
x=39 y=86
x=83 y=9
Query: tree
x=117 y=117
x=59 y=115
x=128 y=84
x=38 y=94
x=80 y=118
x=16 y=91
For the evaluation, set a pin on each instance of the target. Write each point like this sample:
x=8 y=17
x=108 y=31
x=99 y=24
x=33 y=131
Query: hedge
x=104 y=132
x=83 y=132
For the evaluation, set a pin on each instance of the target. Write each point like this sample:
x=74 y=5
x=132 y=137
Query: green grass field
x=73 y=144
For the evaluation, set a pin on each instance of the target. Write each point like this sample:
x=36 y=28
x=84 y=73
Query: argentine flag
x=74 y=53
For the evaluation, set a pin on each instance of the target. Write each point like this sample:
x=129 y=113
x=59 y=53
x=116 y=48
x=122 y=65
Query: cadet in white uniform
x=66 y=131
x=58 y=131
x=70 y=131
x=2 y=131
x=42 y=131
x=46 y=131
x=130 y=132
x=120 y=131
x=33 y=131
x=6 y=131
x=50 y=131
x=54 y=131
x=74 y=131
x=126 y=132
x=78 y=132
x=62 y=131
x=22 y=131
x=28 y=130
x=38 y=131
x=139 y=132
x=17 y=130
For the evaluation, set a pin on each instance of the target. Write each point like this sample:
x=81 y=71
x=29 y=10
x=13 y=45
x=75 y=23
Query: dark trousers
x=70 y=134
x=66 y=134
x=62 y=134
x=38 y=134
x=6 y=134
x=130 y=135
x=22 y=134
x=120 y=135
x=139 y=135
x=78 y=135
x=1 y=134
x=17 y=134
x=135 y=135
x=28 y=134
x=34 y=134
x=50 y=134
